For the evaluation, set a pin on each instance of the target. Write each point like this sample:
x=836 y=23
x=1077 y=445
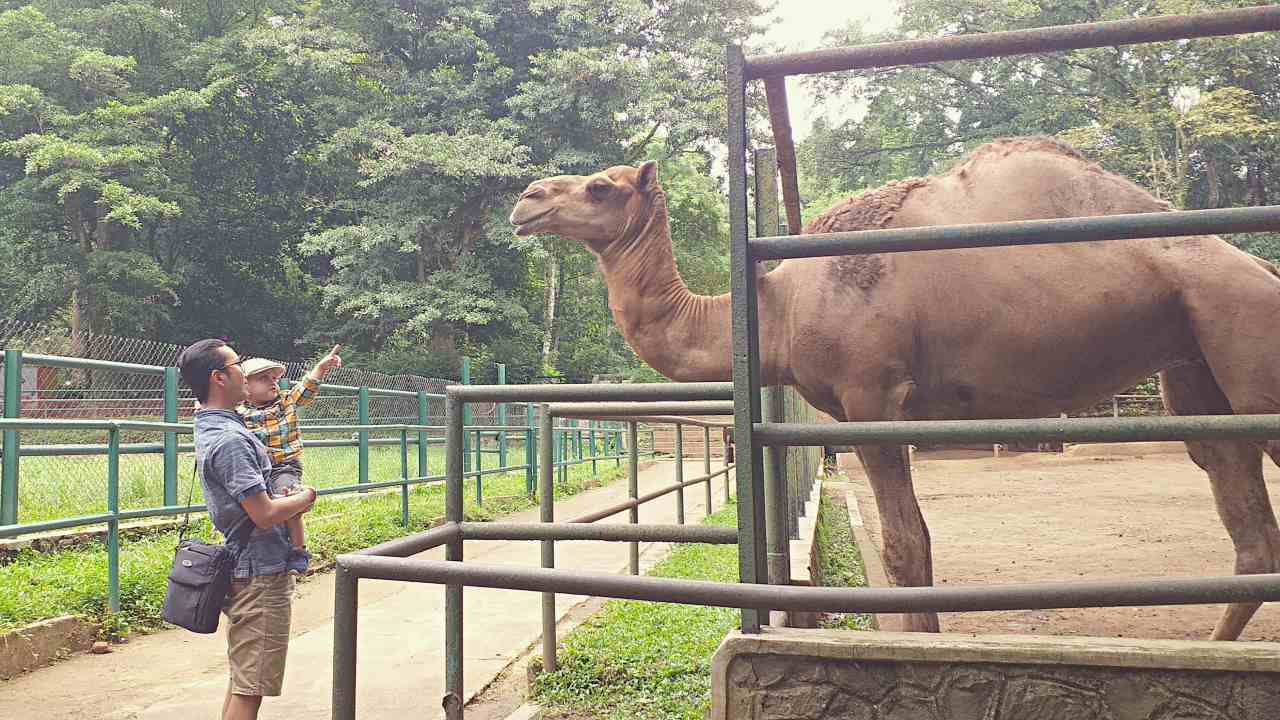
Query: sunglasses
x=226 y=366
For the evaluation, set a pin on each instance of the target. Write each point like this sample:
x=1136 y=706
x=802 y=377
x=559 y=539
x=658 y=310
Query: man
x=233 y=467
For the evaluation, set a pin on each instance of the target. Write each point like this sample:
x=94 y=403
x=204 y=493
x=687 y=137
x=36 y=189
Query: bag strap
x=241 y=536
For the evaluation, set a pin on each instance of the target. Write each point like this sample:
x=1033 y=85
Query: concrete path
x=177 y=674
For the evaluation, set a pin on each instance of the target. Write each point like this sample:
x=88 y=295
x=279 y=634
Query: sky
x=801 y=26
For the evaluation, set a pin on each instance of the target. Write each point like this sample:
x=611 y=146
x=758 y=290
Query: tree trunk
x=552 y=282
x=82 y=301
x=1257 y=183
x=1213 y=185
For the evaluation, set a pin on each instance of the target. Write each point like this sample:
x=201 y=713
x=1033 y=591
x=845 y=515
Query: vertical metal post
x=591 y=438
x=113 y=524
x=404 y=478
x=633 y=492
x=502 y=420
x=362 y=418
x=346 y=603
x=776 y=508
x=530 y=450
x=171 y=438
x=454 y=456
x=746 y=355
x=1115 y=406
x=424 y=447
x=12 y=409
x=577 y=439
x=466 y=418
x=546 y=513
x=479 y=471
x=679 y=474
x=706 y=463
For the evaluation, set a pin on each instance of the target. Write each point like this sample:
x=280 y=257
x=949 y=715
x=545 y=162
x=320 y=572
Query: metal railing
x=756 y=426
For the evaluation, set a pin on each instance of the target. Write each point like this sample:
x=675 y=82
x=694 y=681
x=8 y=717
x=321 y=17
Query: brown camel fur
x=1011 y=332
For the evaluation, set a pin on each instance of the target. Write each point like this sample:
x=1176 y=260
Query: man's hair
x=197 y=361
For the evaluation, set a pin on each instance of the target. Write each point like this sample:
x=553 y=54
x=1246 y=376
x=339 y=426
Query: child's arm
x=304 y=393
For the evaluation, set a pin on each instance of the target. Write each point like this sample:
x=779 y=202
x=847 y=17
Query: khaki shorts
x=259 y=609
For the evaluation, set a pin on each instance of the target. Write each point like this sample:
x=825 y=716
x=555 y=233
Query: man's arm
x=266 y=511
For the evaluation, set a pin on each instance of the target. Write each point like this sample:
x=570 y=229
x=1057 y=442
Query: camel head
x=594 y=209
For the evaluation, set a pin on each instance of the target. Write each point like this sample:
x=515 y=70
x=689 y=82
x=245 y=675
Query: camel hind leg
x=1235 y=473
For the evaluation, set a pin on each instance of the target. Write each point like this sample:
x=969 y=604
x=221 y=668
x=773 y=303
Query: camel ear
x=647 y=179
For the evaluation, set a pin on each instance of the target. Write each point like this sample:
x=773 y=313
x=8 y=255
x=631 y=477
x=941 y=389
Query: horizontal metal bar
x=73 y=450
x=1021 y=232
x=421 y=480
x=1029 y=596
x=416 y=543
x=1132 y=429
x=43 y=424
x=632 y=392
x=84 y=364
x=579 y=531
x=650 y=419
x=627 y=410
x=616 y=508
x=8 y=531
x=1018 y=42
x=385 y=392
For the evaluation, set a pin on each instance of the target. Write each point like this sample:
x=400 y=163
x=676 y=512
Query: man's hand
x=329 y=362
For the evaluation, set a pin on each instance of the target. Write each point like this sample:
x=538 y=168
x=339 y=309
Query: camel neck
x=683 y=335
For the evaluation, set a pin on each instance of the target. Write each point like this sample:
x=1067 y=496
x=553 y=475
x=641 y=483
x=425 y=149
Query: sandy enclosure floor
x=1051 y=517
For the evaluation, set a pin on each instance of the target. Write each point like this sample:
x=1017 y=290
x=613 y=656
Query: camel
x=1010 y=332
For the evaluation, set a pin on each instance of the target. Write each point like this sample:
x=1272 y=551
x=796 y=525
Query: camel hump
x=868 y=210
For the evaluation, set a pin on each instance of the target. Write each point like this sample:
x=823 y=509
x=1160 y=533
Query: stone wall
x=805 y=675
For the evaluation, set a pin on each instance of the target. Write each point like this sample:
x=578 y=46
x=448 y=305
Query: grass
x=648 y=661
x=652 y=661
x=74 y=582
x=839 y=561
x=52 y=488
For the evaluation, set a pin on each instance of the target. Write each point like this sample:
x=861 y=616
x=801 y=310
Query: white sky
x=801 y=27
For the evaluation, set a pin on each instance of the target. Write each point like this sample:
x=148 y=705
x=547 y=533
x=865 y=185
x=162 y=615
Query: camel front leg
x=907 y=553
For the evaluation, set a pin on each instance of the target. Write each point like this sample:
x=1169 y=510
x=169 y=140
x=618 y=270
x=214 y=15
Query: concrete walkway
x=177 y=674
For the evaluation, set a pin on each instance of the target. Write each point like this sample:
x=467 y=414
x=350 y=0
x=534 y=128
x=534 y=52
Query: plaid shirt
x=277 y=424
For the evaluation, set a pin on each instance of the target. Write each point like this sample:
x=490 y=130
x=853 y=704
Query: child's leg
x=296 y=536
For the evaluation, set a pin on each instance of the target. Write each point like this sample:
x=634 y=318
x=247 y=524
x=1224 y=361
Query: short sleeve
x=234 y=463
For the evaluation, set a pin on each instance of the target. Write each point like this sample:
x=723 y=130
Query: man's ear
x=648 y=177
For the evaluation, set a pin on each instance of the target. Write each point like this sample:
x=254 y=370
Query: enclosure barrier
x=752 y=433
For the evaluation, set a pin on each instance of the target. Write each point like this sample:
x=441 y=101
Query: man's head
x=213 y=371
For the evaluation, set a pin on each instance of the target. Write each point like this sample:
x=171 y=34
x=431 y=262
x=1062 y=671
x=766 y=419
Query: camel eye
x=599 y=189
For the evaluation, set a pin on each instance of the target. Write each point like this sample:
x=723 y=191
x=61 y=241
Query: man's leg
x=241 y=707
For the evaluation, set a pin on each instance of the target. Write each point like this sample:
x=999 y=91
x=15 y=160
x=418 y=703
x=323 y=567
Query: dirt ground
x=1052 y=517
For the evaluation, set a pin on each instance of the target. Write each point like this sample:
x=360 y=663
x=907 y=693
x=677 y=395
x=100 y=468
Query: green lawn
x=74 y=582
x=652 y=661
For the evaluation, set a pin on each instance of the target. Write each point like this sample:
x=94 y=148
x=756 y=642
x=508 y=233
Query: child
x=273 y=417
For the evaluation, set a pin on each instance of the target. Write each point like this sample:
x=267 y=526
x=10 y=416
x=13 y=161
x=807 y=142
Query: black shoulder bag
x=199 y=579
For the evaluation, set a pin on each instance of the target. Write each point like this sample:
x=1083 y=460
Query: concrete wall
x=808 y=674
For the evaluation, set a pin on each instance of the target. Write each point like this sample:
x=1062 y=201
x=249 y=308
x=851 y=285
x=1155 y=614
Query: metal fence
x=754 y=594
x=56 y=471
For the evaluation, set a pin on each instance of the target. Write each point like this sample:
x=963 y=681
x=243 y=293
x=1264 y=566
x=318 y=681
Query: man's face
x=229 y=381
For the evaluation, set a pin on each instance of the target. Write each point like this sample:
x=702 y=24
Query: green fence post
x=466 y=419
x=404 y=478
x=502 y=420
x=362 y=418
x=479 y=471
x=113 y=524
x=591 y=438
x=12 y=409
x=679 y=474
x=530 y=449
x=171 y=438
x=706 y=462
x=577 y=438
x=617 y=444
x=424 y=447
